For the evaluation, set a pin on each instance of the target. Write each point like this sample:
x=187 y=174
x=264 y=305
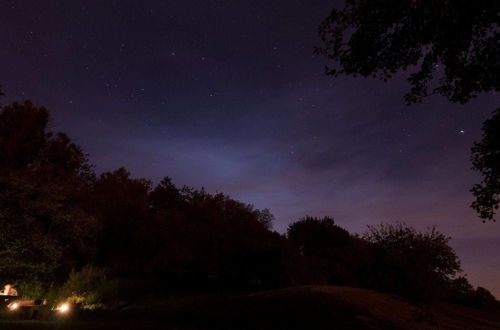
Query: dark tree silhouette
x=411 y=263
x=458 y=41
x=22 y=133
x=28 y=251
x=313 y=236
x=166 y=197
x=323 y=252
x=486 y=159
x=44 y=180
x=450 y=47
x=121 y=203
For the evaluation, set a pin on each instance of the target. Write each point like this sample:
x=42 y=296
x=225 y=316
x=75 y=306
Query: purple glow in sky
x=228 y=95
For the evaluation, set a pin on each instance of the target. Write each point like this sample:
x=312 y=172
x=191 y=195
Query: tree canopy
x=452 y=46
x=44 y=178
x=486 y=159
x=411 y=263
x=313 y=236
x=444 y=47
x=324 y=248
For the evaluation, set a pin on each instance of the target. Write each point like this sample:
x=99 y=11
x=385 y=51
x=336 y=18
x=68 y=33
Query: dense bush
x=82 y=287
x=31 y=289
x=460 y=291
x=96 y=288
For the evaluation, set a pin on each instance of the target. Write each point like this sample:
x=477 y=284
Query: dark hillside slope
x=309 y=307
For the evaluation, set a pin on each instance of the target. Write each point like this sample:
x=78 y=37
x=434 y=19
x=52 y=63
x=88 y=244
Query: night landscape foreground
x=307 y=307
x=250 y=164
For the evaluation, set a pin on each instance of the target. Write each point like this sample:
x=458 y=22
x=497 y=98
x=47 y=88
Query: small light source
x=13 y=306
x=63 y=308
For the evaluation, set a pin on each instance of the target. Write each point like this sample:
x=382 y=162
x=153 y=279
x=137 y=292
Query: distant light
x=462 y=131
x=63 y=308
x=13 y=306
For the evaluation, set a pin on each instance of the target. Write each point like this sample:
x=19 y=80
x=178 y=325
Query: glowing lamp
x=63 y=308
x=13 y=306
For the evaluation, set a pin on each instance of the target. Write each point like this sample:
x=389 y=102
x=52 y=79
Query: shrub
x=93 y=288
x=82 y=287
x=31 y=289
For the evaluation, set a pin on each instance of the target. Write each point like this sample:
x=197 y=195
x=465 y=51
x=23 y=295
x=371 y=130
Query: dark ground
x=311 y=307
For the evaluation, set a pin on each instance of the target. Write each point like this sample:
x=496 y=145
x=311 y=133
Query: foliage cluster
x=444 y=47
x=485 y=158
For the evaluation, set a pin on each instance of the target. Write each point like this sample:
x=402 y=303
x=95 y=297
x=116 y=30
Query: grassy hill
x=309 y=307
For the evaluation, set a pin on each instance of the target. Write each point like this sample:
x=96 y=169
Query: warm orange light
x=13 y=306
x=63 y=308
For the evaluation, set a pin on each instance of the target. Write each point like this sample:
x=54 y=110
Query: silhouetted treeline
x=60 y=220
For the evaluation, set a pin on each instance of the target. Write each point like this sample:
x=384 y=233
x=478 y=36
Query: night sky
x=228 y=95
